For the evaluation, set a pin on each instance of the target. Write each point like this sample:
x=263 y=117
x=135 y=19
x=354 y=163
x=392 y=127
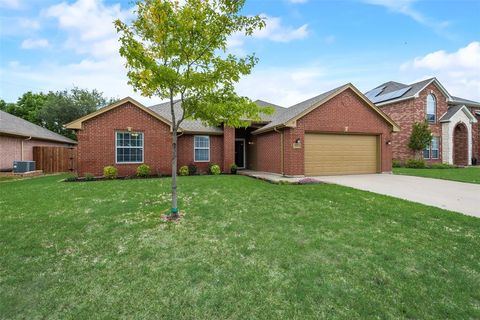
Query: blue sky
x=308 y=46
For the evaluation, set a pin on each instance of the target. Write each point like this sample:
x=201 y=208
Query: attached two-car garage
x=332 y=154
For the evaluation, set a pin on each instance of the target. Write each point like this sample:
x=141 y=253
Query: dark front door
x=240 y=153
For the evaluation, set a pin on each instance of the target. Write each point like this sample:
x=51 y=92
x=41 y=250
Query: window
x=129 y=147
x=432 y=150
x=431 y=108
x=201 y=148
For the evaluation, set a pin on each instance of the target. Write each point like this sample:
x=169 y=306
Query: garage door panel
x=331 y=154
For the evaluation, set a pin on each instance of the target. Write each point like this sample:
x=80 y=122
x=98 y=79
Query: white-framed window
x=201 y=149
x=434 y=148
x=432 y=151
x=431 y=109
x=128 y=147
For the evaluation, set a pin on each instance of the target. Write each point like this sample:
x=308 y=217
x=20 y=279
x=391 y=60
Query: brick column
x=228 y=148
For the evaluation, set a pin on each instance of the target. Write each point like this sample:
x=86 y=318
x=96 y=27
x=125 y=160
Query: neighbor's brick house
x=337 y=132
x=452 y=120
x=18 y=137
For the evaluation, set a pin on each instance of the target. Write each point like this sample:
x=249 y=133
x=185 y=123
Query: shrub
x=71 y=177
x=416 y=164
x=396 y=164
x=183 y=171
x=192 y=169
x=233 y=168
x=441 y=166
x=215 y=169
x=143 y=170
x=89 y=177
x=110 y=172
x=420 y=137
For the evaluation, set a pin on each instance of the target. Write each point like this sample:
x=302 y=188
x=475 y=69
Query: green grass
x=471 y=174
x=244 y=249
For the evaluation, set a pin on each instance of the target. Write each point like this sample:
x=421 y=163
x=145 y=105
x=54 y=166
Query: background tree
x=54 y=109
x=62 y=107
x=178 y=50
x=420 y=138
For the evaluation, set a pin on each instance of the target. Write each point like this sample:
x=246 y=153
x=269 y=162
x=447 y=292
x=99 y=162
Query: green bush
x=89 y=177
x=416 y=164
x=71 y=177
x=183 y=171
x=233 y=168
x=215 y=169
x=143 y=170
x=441 y=166
x=192 y=169
x=396 y=164
x=110 y=172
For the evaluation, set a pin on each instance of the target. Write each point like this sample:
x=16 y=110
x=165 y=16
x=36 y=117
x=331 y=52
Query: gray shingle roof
x=391 y=86
x=450 y=113
x=295 y=110
x=10 y=124
x=163 y=109
x=462 y=101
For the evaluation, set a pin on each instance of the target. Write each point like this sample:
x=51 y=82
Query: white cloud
x=11 y=4
x=274 y=31
x=277 y=32
x=458 y=71
x=405 y=7
x=89 y=25
x=34 y=43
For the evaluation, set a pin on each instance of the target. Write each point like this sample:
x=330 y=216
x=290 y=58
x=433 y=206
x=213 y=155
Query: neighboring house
x=453 y=120
x=337 y=132
x=18 y=137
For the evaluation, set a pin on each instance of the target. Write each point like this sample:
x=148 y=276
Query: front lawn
x=244 y=249
x=471 y=174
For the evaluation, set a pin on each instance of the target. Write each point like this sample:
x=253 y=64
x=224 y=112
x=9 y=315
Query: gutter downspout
x=282 y=151
x=21 y=156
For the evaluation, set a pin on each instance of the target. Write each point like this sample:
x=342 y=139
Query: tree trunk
x=174 y=210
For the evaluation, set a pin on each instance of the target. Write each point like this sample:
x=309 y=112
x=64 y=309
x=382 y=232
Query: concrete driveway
x=455 y=196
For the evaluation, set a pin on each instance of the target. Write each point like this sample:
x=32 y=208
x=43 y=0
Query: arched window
x=431 y=108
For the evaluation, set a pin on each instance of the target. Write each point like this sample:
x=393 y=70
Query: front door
x=240 y=153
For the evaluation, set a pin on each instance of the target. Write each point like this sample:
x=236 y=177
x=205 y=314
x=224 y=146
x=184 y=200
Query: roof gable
x=77 y=124
x=289 y=117
x=452 y=111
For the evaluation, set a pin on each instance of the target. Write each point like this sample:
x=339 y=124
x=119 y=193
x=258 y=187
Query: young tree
x=420 y=138
x=178 y=50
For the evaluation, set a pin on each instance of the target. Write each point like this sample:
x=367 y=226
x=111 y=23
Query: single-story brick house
x=452 y=120
x=19 y=136
x=337 y=132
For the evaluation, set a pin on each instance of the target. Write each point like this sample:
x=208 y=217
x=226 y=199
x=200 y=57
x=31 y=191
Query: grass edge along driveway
x=245 y=249
x=469 y=174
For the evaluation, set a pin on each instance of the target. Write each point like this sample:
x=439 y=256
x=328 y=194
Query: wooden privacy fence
x=55 y=159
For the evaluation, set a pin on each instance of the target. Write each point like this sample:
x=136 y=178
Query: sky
x=307 y=47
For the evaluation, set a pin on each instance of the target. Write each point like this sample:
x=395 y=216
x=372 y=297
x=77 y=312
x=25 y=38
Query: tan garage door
x=333 y=154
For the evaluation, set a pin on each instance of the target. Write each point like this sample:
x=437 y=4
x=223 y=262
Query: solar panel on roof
x=374 y=92
x=390 y=95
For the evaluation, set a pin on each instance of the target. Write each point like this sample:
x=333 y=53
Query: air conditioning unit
x=23 y=166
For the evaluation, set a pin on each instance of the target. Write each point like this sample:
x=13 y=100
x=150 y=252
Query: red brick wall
x=344 y=113
x=460 y=145
x=406 y=113
x=228 y=148
x=476 y=136
x=267 y=152
x=186 y=156
x=96 y=141
x=11 y=149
